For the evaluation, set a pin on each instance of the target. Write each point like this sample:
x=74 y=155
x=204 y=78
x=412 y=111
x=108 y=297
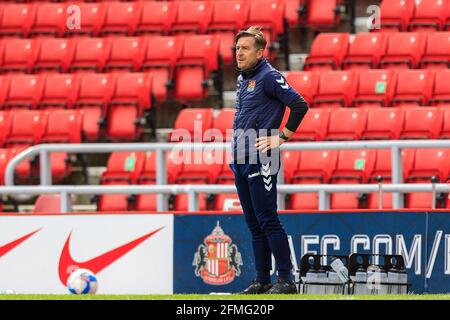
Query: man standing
x=262 y=94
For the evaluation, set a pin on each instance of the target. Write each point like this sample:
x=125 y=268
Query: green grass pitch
x=224 y=297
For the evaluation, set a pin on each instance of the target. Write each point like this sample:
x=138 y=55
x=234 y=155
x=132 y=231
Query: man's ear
x=260 y=53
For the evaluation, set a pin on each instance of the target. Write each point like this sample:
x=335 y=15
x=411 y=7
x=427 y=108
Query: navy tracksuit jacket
x=262 y=94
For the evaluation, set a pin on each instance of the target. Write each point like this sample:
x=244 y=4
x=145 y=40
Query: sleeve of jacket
x=276 y=87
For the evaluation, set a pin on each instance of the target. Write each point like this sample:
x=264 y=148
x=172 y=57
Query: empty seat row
x=200 y=124
x=364 y=166
x=300 y=167
x=23 y=128
x=373 y=124
x=223 y=18
x=412 y=15
x=372 y=88
x=184 y=63
x=113 y=104
x=406 y=50
x=182 y=168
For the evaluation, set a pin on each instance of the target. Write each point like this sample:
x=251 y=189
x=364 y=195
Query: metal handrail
x=193 y=190
x=44 y=151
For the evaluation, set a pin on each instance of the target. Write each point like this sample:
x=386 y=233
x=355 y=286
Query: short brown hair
x=254 y=32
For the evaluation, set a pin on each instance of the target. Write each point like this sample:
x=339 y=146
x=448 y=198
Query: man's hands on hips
x=271 y=142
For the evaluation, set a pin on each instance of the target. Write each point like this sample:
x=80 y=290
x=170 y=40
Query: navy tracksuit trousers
x=257 y=191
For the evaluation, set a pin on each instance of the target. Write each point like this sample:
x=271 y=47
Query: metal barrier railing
x=193 y=191
x=44 y=151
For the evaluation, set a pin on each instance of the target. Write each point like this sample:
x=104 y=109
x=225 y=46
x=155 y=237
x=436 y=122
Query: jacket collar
x=252 y=71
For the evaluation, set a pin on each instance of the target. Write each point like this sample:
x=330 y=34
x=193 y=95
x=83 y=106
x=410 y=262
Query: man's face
x=247 y=55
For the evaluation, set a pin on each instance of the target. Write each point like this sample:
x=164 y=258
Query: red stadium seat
x=269 y=14
x=127 y=53
x=4 y=87
x=60 y=90
x=5 y=125
x=157 y=17
x=192 y=17
x=124 y=166
x=94 y=94
x=113 y=202
x=322 y=13
x=314 y=167
x=198 y=168
x=427 y=163
x=63 y=126
x=305 y=82
x=327 y=51
x=441 y=91
x=148 y=202
x=173 y=166
x=27 y=127
x=197 y=61
x=336 y=89
x=437 y=51
x=130 y=98
x=224 y=123
x=313 y=126
x=121 y=18
x=19 y=55
x=90 y=54
x=92 y=16
x=225 y=174
x=25 y=91
x=290 y=164
x=54 y=55
x=191 y=124
x=346 y=124
x=16 y=19
x=386 y=201
x=383 y=124
x=383 y=165
x=422 y=123
x=445 y=130
x=428 y=16
x=353 y=167
x=50 y=20
x=403 y=50
x=291 y=12
x=160 y=63
x=48 y=203
x=365 y=51
x=375 y=88
x=227 y=18
x=396 y=14
x=447 y=23
x=227 y=202
x=413 y=88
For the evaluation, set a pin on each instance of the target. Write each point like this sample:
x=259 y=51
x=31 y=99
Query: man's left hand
x=266 y=143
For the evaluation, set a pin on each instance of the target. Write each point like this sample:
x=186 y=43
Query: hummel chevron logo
x=265 y=171
x=282 y=83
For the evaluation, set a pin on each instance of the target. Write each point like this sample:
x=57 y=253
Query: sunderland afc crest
x=217 y=261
